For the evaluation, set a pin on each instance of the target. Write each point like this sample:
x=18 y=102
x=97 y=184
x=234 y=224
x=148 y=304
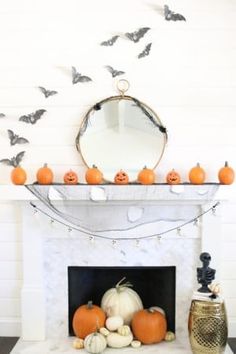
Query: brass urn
x=207 y=327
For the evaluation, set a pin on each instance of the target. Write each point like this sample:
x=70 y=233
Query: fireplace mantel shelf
x=200 y=194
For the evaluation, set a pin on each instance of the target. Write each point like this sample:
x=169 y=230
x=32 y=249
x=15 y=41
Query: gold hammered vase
x=208 y=330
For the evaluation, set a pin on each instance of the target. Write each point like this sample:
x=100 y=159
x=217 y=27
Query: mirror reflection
x=121 y=133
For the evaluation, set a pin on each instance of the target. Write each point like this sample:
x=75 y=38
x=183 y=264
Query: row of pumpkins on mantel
x=118 y=322
x=146 y=176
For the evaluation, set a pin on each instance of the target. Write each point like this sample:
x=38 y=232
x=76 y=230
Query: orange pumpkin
x=44 y=175
x=149 y=326
x=226 y=174
x=70 y=177
x=197 y=175
x=146 y=176
x=18 y=175
x=173 y=177
x=121 y=178
x=88 y=319
x=93 y=175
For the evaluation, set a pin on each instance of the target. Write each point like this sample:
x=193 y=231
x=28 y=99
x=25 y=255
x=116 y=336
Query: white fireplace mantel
x=197 y=194
x=34 y=317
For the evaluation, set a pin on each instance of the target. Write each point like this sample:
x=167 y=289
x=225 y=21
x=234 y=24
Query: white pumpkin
x=136 y=344
x=115 y=340
x=104 y=331
x=114 y=322
x=95 y=343
x=121 y=301
x=124 y=330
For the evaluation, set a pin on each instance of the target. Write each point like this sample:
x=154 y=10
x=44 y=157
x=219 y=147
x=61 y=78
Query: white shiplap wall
x=189 y=79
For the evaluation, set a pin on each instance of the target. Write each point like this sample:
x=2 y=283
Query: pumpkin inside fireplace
x=88 y=319
x=149 y=326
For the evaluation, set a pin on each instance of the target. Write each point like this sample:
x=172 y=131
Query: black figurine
x=205 y=274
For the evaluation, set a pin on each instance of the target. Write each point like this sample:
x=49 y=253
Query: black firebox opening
x=155 y=285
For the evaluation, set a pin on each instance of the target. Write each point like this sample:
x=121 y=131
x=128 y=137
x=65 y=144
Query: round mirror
x=120 y=132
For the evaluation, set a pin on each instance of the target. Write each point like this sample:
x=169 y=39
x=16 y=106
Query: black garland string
x=137 y=239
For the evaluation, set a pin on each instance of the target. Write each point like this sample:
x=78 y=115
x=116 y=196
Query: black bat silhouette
x=32 y=118
x=2 y=115
x=171 y=15
x=146 y=51
x=16 y=139
x=135 y=36
x=114 y=72
x=77 y=77
x=47 y=93
x=15 y=160
x=110 y=41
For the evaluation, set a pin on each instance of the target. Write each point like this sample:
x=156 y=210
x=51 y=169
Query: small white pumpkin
x=104 y=331
x=136 y=344
x=121 y=301
x=170 y=336
x=95 y=343
x=114 y=322
x=115 y=340
x=78 y=343
x=124 y=330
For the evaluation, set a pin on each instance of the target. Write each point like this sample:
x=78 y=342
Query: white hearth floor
x=65 y=347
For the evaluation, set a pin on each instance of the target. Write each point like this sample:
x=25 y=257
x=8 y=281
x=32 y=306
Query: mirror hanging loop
x=122 y=86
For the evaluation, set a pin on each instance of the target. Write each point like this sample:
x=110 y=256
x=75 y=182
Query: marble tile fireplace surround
x=49 y=249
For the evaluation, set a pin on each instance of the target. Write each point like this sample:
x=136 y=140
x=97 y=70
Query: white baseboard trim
x=10 y=327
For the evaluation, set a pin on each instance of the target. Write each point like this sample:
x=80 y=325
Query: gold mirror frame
x=153 y=117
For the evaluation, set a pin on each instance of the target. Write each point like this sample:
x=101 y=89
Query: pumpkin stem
x=94 y=166
x=45 y=165
x=226 y=164
x=198 y=164
x=120 y=286
x=90 y=304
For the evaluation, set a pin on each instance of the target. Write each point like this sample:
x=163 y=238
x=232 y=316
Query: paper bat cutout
x=14 y=161
x=32 y=118
x=146 y=51
x=47 y=93
x=77 y=77
x=114 y=72
x=137 y=35
x=172 y=16
x=110 y=41
x=16 y=139
x=2 y=115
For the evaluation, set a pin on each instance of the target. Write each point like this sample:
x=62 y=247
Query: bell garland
x=137 y=240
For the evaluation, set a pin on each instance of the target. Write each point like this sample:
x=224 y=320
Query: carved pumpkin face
x=121 y=178
x=173 y=177
x=70 y=177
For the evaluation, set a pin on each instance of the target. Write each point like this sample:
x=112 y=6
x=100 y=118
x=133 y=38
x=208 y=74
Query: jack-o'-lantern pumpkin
x=18 y=175
x=44 y=175
x=197 y=175
x=88 y=319
x=149 y=326
x=93 y=175
x=173 y=177
x=70 y=177
x=146 y=176
x=226 y=174
x=121 y=178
